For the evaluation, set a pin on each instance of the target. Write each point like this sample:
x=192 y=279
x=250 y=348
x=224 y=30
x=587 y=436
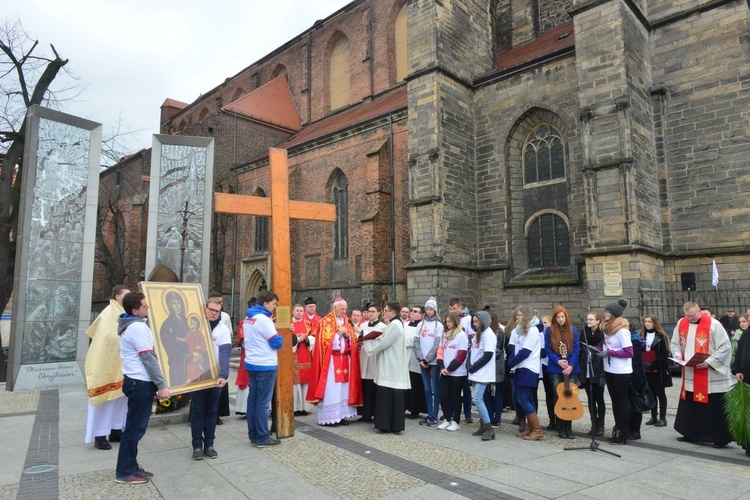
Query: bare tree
x=111 y=239
x=26 y=79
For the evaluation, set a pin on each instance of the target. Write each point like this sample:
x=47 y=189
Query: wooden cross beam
x=280 y=209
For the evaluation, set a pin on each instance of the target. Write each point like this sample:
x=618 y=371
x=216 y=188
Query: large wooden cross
x=280 y=209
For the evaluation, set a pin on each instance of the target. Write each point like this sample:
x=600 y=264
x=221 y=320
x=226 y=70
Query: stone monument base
x=48 y=376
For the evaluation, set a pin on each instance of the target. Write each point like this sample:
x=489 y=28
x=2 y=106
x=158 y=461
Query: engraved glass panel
x=181 y=208
x=55 y=243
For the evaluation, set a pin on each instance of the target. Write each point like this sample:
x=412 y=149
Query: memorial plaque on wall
x=612 y=279
x=55 y=250
x=179 y=217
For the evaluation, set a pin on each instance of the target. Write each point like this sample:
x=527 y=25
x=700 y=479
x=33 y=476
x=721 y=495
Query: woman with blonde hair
x=562 y=346
x=655 y=364
x=451 y=357
x=527 y=363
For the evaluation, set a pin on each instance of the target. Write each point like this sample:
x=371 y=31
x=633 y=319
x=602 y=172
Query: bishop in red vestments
x=336 y=382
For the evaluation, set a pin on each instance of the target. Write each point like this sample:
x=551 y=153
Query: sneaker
x=144 y=473
x=432 y=423
x=270 y=442
x=210 y=452
x=469 y=420
x=197 y=454
x=495 y=424
x=444 y=425
x=132 y=479
x=453 y=427
x=425 y=421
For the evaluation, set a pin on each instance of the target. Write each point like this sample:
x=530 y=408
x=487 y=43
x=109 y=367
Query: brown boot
x=523 y=429
x=536 y=431
x=489 y=433
x=480 y=431
x=599 y=427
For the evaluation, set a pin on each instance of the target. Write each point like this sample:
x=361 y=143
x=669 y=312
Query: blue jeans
x=260 y=391
x=204 y=406
x=494 y=402
x=526 y=400
x=140 y=396
x=478 y=398
x=514 y=397
x=467 y=399
x=431 y=380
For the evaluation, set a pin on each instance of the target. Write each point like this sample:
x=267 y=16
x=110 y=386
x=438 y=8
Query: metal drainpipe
x=393 y=208
x=309 y=75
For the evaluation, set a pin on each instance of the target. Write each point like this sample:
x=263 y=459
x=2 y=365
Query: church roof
x=271 y=103
x=174 y=103
x=545 y=44
x=352 y=116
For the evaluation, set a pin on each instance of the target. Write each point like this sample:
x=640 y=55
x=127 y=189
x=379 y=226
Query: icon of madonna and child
x=183 y=335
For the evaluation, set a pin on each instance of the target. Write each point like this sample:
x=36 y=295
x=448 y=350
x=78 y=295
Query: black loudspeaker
x=688 y=281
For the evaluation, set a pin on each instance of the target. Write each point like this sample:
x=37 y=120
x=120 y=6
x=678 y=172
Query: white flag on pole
x=715 y=275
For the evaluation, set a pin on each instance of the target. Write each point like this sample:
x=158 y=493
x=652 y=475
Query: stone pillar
x=54 y=271
x=525 y=21
x=620 y=169
x=441 y=154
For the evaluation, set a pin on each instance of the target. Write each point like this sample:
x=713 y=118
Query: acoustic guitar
x=568 y=406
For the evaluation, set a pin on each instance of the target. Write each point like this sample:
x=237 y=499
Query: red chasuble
x=242 y=377
x=702 y=341
x=303 y=357
x=324 y=333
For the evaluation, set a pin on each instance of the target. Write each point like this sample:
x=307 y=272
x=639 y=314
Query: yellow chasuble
x=103 y=362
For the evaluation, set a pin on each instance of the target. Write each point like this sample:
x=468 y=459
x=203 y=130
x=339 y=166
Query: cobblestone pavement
x=356 y=461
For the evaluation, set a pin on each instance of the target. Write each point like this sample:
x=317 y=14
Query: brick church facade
x=506 y=152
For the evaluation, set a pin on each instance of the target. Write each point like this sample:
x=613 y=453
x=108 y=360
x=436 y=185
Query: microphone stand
x=594 y=445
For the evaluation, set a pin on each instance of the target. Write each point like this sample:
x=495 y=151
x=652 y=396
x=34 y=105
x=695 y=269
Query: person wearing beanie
x=426 y=343
x=617 y=353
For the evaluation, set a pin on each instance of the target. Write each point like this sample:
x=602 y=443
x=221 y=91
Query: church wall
x=364 y=159
x=498 y=108
x=123 y=188
x=703 y=63
x=553 y=14
x=235 y=140
x=661 y=9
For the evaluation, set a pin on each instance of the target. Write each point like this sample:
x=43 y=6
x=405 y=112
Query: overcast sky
x=133 y=54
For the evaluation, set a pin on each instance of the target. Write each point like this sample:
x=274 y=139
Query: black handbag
x=643 y=402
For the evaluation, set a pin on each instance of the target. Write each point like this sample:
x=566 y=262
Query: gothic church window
x=543 y=155
x=339 y=73
x=341 y=226
x=400 y=44
x=260 y=243
x=547 y=242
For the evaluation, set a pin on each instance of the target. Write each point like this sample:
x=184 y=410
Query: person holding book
x=655 y=363
x=700 y=415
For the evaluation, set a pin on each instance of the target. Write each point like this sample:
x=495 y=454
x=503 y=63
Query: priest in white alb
x=108 y=406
